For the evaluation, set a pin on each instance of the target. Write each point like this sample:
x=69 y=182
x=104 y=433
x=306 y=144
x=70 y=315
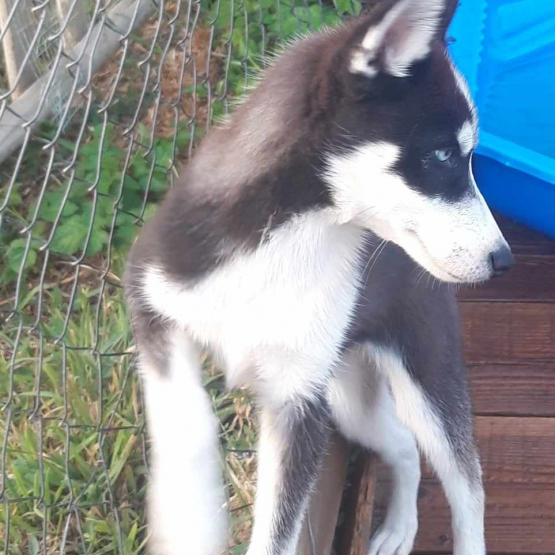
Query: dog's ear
x=400 y=33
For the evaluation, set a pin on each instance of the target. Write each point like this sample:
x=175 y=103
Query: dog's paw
x=394 y=538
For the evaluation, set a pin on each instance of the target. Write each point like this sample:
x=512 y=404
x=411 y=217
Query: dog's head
x=400 y=159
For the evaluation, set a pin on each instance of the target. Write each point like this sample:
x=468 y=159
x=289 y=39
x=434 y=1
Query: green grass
x=73 y=427
x=74 y=430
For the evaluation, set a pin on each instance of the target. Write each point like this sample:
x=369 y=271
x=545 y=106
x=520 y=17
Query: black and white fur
x=299 y=252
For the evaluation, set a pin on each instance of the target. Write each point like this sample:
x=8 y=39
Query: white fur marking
x=465 y=91
x=467 y=138
x=186 y=507
x=270 y=452
x=275 y=316
x=452 y=240
x=364 y=411
x=362 y=181
x=463 y=85
x=403 y=36
x=466 y=500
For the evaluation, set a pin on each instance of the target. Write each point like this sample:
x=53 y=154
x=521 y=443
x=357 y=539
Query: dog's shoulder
x=252 y=173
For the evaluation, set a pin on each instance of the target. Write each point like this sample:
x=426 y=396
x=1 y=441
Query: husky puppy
x=299 y=251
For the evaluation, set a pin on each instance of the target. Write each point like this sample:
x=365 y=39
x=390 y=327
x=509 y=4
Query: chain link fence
x=100 y=100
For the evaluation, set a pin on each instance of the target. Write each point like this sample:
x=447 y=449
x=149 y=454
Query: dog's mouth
x=431 y=265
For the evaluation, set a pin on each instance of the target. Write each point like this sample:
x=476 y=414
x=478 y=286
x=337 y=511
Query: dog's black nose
x=502 y=260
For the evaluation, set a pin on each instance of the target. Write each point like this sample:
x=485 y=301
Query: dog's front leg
x=442 y=425
x=292 y=443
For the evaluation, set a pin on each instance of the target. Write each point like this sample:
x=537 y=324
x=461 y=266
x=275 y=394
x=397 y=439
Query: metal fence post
x=17 y=37
x=77 y=23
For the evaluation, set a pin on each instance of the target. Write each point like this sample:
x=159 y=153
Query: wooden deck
x=509 y=336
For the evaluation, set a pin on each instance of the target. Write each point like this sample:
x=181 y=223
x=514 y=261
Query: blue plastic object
x=506 y=50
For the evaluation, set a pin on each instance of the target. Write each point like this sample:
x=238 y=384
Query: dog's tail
x=187 y=512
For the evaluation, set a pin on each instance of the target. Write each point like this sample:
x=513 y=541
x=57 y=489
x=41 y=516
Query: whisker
x=374 y=255
x=379 y=251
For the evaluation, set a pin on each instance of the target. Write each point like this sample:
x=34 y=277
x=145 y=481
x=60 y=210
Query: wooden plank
x=517 y=450
x=513 y=389
x=524 y=240
x=531 y=279
x=513 y=451
x=519 y=519
x=508 y=332
x=319 y=527
x=353 y=537
x=518 y=458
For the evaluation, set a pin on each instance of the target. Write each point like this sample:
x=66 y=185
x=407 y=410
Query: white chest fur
x=282 y=307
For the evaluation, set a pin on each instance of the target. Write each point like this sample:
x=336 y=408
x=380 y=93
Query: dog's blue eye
x=443 y=155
